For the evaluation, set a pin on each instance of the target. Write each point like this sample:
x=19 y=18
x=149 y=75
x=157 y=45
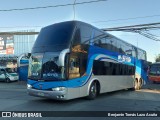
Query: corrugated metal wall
x=23 y=43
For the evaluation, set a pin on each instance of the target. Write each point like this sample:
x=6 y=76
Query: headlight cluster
x=59 y=89
x=29 y=86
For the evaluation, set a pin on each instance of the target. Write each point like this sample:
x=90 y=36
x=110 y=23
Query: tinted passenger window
x=109 y=68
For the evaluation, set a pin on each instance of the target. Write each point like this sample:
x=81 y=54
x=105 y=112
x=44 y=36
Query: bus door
x=74 y=66
x=74 y=81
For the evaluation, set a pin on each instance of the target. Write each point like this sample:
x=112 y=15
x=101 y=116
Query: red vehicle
x=154 y=72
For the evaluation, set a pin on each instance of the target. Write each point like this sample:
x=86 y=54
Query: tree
x=157 y=58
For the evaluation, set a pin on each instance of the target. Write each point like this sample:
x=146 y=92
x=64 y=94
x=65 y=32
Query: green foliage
x=157 y=58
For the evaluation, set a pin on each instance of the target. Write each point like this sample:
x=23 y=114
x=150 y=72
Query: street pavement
x=14 y=97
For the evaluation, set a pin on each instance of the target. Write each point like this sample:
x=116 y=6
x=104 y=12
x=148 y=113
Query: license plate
x=41 y=94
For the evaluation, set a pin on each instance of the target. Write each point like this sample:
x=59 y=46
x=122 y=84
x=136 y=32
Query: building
x=12 y=46
x=15 y=45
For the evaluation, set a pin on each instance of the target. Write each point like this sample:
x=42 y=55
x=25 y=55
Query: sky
x=104 y=14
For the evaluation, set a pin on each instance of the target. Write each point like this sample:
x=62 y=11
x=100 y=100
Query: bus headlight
x=59 y=89
x=29 y=86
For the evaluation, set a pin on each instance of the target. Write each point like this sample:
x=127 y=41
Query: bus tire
x=136 y=84
x=7 y=80
x=93 y=91
x=141 y=83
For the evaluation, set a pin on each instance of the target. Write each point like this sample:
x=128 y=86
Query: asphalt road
x=14 y=97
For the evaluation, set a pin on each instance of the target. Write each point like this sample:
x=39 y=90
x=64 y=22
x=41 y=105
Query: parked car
x=8 y=74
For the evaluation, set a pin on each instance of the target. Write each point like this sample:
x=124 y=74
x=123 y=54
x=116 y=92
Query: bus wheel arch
x=94 y=89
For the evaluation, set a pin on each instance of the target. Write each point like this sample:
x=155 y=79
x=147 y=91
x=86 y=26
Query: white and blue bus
x=74 y=59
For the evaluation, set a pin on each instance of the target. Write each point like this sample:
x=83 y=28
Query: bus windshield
x=51 y=68
x=35 y=66
x=45 y=66
x=53 y=38
x=155 y=69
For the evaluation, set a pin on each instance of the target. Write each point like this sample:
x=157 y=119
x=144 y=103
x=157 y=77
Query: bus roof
x=75 y=22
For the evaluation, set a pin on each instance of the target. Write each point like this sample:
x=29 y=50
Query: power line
x=141 y=29
x=74 y=14
x=132 y=28
x=135 y=27
x=44 y=7
x=126 y=18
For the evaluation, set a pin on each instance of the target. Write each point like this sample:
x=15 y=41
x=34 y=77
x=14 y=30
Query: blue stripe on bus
x=73 y=83
x=77 y=82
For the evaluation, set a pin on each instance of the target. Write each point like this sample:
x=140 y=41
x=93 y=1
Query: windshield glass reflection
x=51 y=68
x=35 y=65
x=45 y=66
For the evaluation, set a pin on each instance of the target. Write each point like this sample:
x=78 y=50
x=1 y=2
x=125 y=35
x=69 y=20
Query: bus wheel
x=136 y=85
x=7 y=80
x=93 y=91
x=140 y=83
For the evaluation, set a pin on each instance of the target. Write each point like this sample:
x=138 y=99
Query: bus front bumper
x=57 y=95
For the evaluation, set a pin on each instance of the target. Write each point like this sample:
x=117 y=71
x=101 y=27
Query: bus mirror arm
x=62 y=57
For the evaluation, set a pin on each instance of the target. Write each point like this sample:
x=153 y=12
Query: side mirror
x=62 y=57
